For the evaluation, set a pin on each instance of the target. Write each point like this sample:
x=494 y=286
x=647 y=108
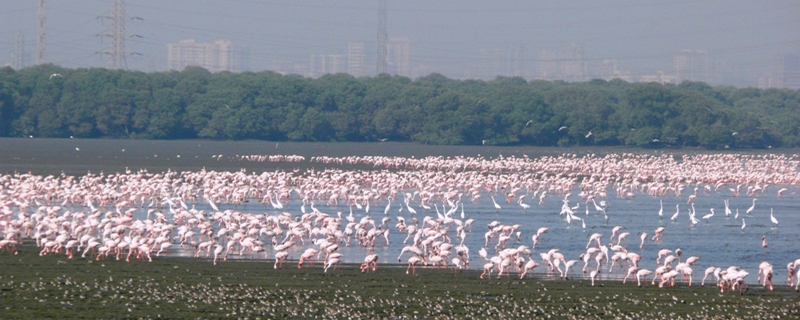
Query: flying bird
x=562 y=128
x=54 y=75
x=588 y=134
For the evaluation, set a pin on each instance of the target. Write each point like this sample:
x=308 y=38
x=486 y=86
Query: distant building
x=399 y=61
x=356 y=59
x=322 y=64
x=788 y=72
x=660 y=77
x=243 y=58
x=421 y=70
x=287 y=67
x=568 y=64
x=214 y=57
x=609 y=70
x=547 y=65
x=691 y=65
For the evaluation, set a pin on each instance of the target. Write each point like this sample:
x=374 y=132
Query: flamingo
x=530 y=265
x=370 y=263
x=487 y=269
x=709 y=271
x=333 y=262
x=658 y=233
x=668 y=278
x=163 y=247
x=567 y=267
x=218 y=252
x=307 y=255
x=643 y=237
x=642 y=275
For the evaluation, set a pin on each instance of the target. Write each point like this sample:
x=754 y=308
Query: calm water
x=719 y=242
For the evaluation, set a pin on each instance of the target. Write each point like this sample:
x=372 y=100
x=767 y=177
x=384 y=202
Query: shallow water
x=719 y=242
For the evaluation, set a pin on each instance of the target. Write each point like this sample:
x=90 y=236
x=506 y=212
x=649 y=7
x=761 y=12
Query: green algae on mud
x=55 y=287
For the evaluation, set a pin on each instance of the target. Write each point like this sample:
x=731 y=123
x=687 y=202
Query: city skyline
x=214 y=57
x=718 y=42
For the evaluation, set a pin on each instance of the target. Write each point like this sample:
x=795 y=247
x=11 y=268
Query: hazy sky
x=446 y=36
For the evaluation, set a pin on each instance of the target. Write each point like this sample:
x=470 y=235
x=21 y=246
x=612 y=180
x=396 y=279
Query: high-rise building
x=243 y=58
x=565 y=63
x=399 y=62
x=224 y=52
x=660 y=77
x=214 y=57
x=682 y=63
x=788 y=73
x=322 y=64
x=608 y=69
x=356 y=59
x=691 y=65
x=547 y=65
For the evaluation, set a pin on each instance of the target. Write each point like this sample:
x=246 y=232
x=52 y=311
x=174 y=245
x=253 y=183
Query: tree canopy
x=50 y=101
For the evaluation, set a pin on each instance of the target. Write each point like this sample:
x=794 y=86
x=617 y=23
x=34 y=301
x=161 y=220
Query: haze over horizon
x=739 y=43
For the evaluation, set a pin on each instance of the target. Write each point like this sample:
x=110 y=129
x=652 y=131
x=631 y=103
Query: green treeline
x=49 y=101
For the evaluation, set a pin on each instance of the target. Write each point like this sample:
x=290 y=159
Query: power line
x=519 y=61
x=41 y=35
x=116 y=49
x=382 y=37
x=19 y=51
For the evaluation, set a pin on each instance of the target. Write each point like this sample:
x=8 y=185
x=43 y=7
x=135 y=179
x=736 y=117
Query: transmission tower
x=40 y=37
x=519 y=61
x=19 y=51
x=382 y=50
x=116 y=49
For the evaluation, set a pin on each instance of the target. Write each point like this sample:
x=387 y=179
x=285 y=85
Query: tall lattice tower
x=519 y=61
x=382 y=51
x=19 y=51
x=116 y=49
x=40 y=37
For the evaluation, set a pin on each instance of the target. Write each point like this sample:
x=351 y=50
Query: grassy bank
x=54 y=287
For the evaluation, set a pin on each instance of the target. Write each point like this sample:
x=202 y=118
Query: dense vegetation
x=194 y=103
